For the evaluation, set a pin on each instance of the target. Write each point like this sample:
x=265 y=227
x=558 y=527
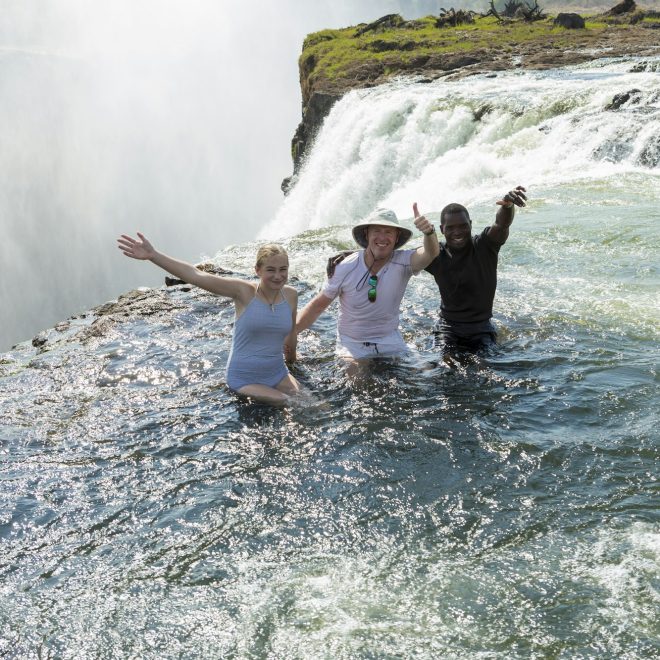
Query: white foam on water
x=625 y=565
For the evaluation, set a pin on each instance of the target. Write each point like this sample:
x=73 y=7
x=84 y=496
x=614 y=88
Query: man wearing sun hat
x=370 y=284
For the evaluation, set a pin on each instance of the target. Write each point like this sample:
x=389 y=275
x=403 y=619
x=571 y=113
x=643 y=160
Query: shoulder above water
x=348 y=262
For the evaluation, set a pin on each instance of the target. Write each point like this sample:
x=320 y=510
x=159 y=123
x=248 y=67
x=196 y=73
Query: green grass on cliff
x=332 y=51
x=335 y=55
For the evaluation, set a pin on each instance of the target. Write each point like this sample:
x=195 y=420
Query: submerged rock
x=614 y=150
x=40 y=340
x=649 y=156
x=139 y=303
x=206 y=267
x=633 y=95
x=644 y=66
x=481 y=111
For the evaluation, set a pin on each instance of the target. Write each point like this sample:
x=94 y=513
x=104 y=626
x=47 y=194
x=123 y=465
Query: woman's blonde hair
x=267 y=251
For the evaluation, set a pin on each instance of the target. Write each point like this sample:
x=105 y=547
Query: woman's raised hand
x=141 y=249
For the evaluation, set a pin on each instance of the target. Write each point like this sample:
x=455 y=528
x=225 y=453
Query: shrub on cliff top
x=520 y=9
x=453 y=18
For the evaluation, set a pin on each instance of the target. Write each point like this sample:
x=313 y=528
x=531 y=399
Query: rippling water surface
x=502 y=507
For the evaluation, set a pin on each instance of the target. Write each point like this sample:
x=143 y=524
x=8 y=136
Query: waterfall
x=468 y=140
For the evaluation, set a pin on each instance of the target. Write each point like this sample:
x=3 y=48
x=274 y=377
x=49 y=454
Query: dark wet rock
x=99 y=328
x=460 y=61
x=614 y=151
x=314 y=112
x=480 y=112
x=570 y=21
x=384 y=23
x=381 y=46
x=419 y=62
x=40 y=340
x=633 y=95
x=288 y=183
x=140 y=302
x=649 y=156
x=148 y=304
x=624 y=7
x=643 y=67
x=206 y=267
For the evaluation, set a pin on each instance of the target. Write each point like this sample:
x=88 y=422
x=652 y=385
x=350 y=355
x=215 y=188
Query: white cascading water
x=406 y=142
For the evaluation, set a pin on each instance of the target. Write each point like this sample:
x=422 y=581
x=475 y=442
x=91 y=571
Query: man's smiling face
x=381 y=240
x=456 y=228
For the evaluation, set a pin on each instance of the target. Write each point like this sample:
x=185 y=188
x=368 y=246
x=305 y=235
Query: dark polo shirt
x=467 y=280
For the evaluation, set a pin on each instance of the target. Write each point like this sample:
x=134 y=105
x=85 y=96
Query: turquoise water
x=506 y=507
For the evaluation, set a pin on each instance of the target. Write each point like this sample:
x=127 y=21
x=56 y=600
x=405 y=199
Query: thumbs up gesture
x=421 y=222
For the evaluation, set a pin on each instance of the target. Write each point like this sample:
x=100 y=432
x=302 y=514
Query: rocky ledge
x=457 y=44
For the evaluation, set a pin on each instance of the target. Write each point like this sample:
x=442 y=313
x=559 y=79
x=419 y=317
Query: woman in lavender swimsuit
x=265 y=318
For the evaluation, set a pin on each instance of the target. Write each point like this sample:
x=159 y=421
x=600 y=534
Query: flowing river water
x=504 y=507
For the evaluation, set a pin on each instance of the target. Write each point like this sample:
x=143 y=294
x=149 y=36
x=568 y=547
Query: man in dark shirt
x=466 y=273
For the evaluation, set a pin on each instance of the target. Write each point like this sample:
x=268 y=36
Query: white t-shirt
x=360 y=319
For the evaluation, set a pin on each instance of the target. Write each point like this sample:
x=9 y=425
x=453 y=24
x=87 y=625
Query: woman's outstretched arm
x=143 y=250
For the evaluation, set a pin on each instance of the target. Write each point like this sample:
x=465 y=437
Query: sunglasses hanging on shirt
x=371 y=293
